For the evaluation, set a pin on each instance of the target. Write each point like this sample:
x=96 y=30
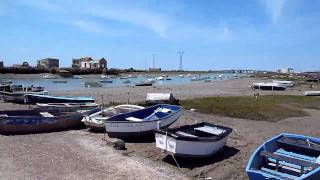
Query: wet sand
x=81 y=154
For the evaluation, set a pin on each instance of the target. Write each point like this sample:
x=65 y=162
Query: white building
x=286 y=70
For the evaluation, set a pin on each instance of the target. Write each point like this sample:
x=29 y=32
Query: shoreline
x=82 y=154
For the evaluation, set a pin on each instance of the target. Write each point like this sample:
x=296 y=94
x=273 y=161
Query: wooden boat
x=198 y=140
x=142 y=121
x=31 y=121
x=59 y=81
x=18 y=96
x=269 y=86
x=67 y=106
x=286 y=156
x=36 y=98
x=106 y=81
x=96 y=121
x=312 y=93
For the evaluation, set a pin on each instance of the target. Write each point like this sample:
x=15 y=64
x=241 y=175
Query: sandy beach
x=81 y=154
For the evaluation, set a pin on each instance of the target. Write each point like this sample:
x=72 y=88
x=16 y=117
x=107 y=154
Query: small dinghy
x=312 y=93
x=198 y=140
x=286 y=156
x=271 y=86
x=31 y=121
x=66 y=106
x=142 y=121
x=59 y=81
x=36 y=98
x=96 y=121
x=106 y=81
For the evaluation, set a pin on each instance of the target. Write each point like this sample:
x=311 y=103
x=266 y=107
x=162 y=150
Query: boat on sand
x=143 y=121
x=197 y=140
x=286 y=156
x=96 y=121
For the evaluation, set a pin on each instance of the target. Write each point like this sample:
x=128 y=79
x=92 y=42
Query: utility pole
x=181 y=55
x=153 y=61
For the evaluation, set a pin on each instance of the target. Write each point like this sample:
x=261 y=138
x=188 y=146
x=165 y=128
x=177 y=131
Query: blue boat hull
x=286 y=156
x=30 y=121
x=33 y=99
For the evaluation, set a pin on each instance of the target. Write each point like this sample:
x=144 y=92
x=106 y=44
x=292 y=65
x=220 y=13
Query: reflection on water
x=76 y=84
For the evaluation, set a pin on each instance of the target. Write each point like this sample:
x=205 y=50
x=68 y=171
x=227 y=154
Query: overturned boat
x=31 y=121
x=36 y=98
x=96 y=121
x=197 y=140
x=286 y=156
x=271 y=86
x=142 y=121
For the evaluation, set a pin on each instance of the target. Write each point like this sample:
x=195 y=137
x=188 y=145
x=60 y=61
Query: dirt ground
x=82 y=154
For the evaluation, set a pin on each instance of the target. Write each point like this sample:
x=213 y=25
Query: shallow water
x=76 y=84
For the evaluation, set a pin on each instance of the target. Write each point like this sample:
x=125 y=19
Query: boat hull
x=255 y=161
x=29 y=124
x=31 y=99
x=129 y=129
x=183 y=148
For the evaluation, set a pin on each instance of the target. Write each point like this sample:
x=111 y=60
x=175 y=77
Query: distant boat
x=35 y=98
x=286 y=83
x=106 y=81
x=168 y=79
x=269 y=86
x=32 y=121
x=160 y=78
x=142 y=121
x=145 y=83
x=104 y=77
x=198 y=140
x=127 y=81
x=59 y=81
x=76 y=77
x=36 y=88
x=124 y=77
x=286 y=156
x=66 y=106
x=181 y=75
x=92 y=84
x=312 y=93
x=96 y=121
x=48 y=76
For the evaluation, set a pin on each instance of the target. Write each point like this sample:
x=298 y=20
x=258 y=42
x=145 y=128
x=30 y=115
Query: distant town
x=88 y=65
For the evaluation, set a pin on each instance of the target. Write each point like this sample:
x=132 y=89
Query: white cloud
x=138 y=17
x=274 y=8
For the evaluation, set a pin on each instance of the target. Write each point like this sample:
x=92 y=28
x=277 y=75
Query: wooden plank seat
x=299 y=143
x=290 y=160
x=210 y=130
x=185 y=134
x=278 y=174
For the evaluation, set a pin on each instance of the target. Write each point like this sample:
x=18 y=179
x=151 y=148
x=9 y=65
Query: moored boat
x=197 y=140
x=35 y=98
x=18 y=96
x=142 y=121
x=67 y=106
x=92 y=84
x=32 y=121
x=311 y=93
x=96 y=121
x=269 y=86
x=285 y=83
x=106 y=81
x=145 y=83
x=60 y=81
x=48 y=76
x=286 y=156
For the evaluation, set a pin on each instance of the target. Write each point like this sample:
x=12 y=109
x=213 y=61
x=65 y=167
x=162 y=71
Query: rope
x=175 y=160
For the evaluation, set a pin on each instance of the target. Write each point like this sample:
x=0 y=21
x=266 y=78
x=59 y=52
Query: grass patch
x=266 y=108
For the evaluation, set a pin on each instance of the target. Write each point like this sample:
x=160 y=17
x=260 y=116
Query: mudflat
x=82 y=154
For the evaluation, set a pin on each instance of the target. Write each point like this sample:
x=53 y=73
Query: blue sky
x=215 y=34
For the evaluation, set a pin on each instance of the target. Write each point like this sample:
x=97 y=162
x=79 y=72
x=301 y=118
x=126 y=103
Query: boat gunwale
x=212 y=138
x=149 y=121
